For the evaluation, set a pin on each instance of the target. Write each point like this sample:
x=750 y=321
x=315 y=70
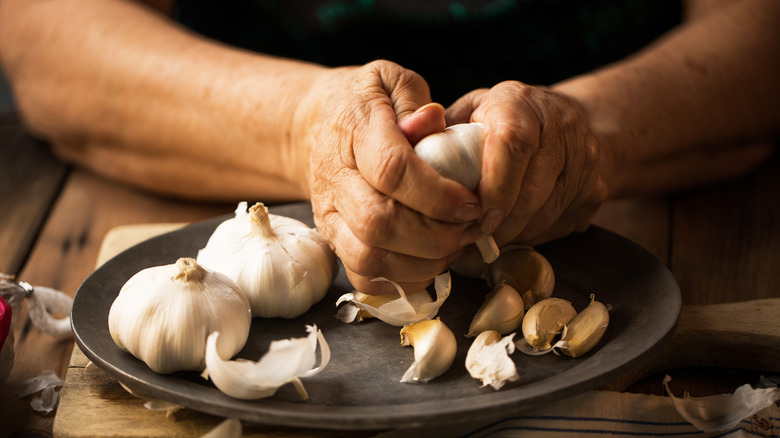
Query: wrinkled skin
x=372 y=196
x=542 y=174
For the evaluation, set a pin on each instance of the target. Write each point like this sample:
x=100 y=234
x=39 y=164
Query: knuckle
x=377 y=226
x=390 y=171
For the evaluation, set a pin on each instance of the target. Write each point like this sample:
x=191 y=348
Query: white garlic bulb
x=456 y=153
x=282 y=265
x=164 y=314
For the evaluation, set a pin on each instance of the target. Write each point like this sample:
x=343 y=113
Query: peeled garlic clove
x=502 y=311
x=456 y=153
x=287 y=361
x=282 y=264
x=526 y=270
x=403 y=309
x=545 y=320
x=163 y=315
x=434 y=349
x=585 y=330
x=488 y=359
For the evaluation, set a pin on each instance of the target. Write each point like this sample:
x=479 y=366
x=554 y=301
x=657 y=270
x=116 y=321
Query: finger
x=513 y=136
x=382 y=222
x=367 y=286
x=387 y=161
x=428 y=119
x=371 y=262
x=462 y=109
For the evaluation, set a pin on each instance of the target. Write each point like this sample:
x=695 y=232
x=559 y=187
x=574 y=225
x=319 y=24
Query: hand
x=386 y=212
x=541 y=174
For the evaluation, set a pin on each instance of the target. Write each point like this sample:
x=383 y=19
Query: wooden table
x=722 y=244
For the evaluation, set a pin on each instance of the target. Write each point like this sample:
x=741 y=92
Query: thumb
x=426 y=120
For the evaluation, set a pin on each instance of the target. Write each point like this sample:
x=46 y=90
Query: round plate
x=360 y=388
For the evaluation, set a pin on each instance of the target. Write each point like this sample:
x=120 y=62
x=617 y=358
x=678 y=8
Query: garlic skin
x=526 y=270
x=281 y=264
x=287 y=361
x=456 y=153
x=545 y=320
x=163 y=315
x=403 y=309
x=434 y=349
x=501 y=311
x=488 y=359
x=585 y=330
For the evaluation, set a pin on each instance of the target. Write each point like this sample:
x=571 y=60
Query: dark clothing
x=456 y=46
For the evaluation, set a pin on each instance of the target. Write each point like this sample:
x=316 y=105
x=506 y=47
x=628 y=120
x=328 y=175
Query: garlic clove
x=456 y=153
x=585 y=330
x=434 y=349
x=545 y=320
x=488 y=359
x=526 y=270
x=287 y=361
x=501 y=311
x=403 y=309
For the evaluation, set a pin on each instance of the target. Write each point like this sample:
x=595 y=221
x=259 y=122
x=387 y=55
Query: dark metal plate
x=360 y=388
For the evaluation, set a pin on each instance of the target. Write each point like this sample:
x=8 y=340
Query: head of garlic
x=456 y=153
x=164 y=314
x=282 y=265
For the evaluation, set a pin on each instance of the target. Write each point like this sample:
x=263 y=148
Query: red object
x=5 y=321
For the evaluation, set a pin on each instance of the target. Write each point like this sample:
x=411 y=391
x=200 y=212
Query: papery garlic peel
x=287 y=361
x=526 y=270
x=163 y=315
x=585 y=330
x=488 y=359
x=501 y=311
x=282 y=264
x=405 y=308
x=456 y=153
x=545 y=320
x=434 y=349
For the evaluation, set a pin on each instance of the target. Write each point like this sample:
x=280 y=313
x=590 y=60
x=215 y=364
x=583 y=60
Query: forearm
x=710 y=84
x=120 y=89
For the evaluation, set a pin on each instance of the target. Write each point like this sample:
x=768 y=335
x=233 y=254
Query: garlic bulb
x=585 y=330
x=163 y=315
x=502 y=311
x=545 y=320
x=282 y=265
x=434 y=349
x=456 y=154
x=526 y=270
x=287 y=361
x=402 y=309
x=488 y=359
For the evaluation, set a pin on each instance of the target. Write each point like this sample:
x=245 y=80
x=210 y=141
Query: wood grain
x=63 y=257
x=30 y=180
x=726 y=239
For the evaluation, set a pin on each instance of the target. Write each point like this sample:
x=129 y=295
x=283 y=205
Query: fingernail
x=470 y=235
x=428 y=105
x=468 y=212
x=491 y=220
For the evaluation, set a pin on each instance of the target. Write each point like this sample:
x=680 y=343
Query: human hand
x=386 y=212
x=541 y=170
